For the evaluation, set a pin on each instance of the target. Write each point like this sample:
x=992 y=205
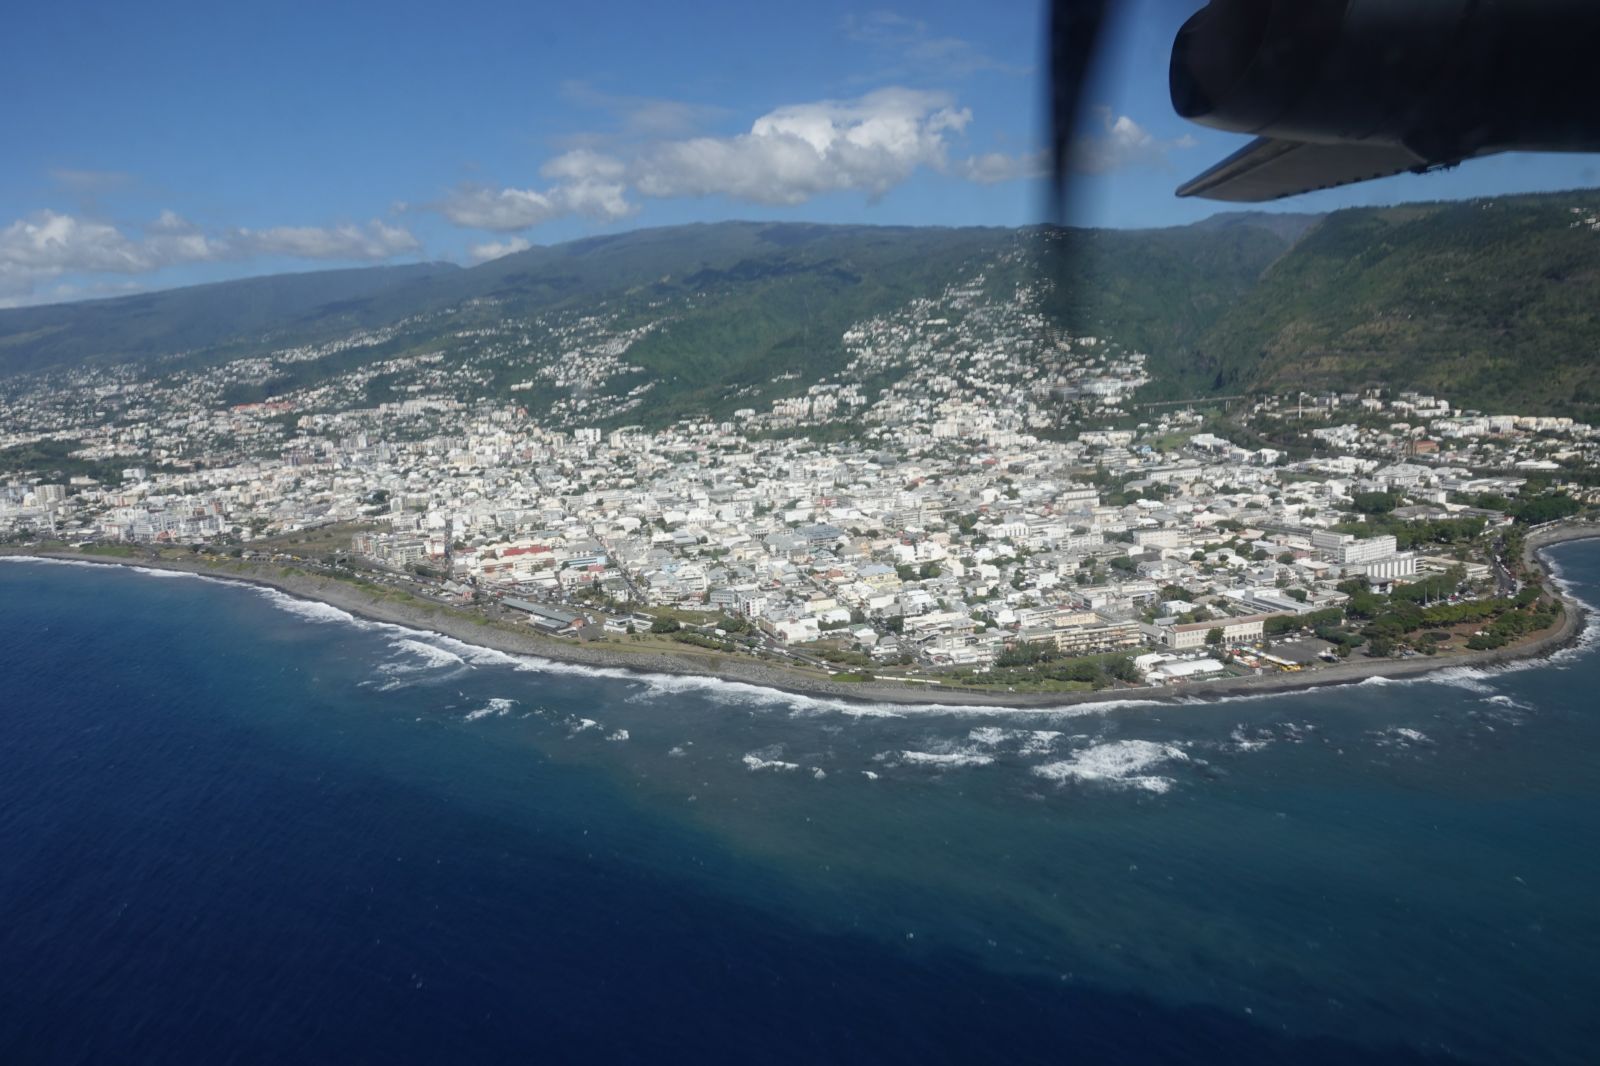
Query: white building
x=1349 y=550
x=1396 y=567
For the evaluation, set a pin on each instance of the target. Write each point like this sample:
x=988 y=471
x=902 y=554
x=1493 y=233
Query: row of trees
x=1025 y=663
x=1397 y=619
x=1445 y=532
x=1280 y=624
x=1533 y=506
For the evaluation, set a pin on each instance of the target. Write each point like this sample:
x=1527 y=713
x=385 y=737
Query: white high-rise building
x=1396 y=567
x=1348 y=550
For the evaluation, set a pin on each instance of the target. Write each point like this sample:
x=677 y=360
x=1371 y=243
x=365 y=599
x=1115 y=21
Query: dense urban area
x=975 y=501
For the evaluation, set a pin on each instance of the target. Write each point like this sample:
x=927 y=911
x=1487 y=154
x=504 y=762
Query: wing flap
x=1267 y=169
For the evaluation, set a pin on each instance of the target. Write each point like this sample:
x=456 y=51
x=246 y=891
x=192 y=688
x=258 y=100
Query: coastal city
x=975 y=502
x=900 y=535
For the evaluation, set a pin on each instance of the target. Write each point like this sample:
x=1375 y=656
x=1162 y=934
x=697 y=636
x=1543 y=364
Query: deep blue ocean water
x=237 y=828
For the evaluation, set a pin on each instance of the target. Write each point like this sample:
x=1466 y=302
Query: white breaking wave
x=993 y=735
x=1559 y=575
x=36 y=560
x=743 y=693
x=1471 y=678
x=746 y=694
x=1105 y=706
x=945 y=760
x=756 y=762
x=1588 y=638
x=432 y=657
x=1039 y=742
x=317 y=611
x=1244 y=742
x=496 y=707
x=1118 y=762
x=422 y=662
x=1028 y=741
x=1401 y=736
x=148 y=571
x=738 y=693
x=158 y=572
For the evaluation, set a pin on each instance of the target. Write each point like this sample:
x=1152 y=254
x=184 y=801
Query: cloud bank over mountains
x=46 y=245
x=865 y=145
x=869 y=145
x=790 y=155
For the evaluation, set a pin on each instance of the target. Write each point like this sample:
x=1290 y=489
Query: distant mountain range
x=1492 y=303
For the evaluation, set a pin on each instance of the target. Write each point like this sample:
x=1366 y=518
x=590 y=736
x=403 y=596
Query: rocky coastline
x=464 y=627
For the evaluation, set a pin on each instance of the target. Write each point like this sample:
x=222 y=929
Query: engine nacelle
x=1446 y=78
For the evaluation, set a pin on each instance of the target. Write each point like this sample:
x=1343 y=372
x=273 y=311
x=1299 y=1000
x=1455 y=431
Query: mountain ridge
x=1475 y=300
x=1462 y=298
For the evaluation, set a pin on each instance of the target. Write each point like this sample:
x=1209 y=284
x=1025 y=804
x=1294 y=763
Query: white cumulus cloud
x=585 y=183
x=47 y=241
x=789 y=155
x=498 y=209
x=47 y=244
x=794 y=153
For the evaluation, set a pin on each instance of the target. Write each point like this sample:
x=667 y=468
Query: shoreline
x=430 y=618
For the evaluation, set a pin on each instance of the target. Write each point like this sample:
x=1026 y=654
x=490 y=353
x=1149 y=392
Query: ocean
x=240 y=828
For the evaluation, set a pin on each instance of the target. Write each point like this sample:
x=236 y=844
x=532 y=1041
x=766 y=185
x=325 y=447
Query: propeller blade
x=1075 y=27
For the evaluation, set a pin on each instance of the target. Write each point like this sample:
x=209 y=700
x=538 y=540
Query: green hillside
x=784 y=309
x=1158 y=291
x=1478 y=301
x=231 y=317
x=734 y=304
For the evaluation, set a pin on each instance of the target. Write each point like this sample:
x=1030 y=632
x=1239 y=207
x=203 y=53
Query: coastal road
x=1505 y=584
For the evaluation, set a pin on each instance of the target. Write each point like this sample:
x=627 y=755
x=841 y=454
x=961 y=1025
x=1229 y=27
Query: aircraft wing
x=1267 y=169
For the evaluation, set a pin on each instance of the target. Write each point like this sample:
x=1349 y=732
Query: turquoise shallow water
x=242 y=828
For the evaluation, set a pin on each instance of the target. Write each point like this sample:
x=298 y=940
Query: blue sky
x=158 y=144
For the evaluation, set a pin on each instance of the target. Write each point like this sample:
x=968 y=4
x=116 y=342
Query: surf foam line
x=743 y=693
x=148 y=571
x=738 y=693
x=420 y=663
x=317 y=611
x=430 y=654
x=1471 y=678
x=1588 y=637
x=1475 y=678
x=1582 y=644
